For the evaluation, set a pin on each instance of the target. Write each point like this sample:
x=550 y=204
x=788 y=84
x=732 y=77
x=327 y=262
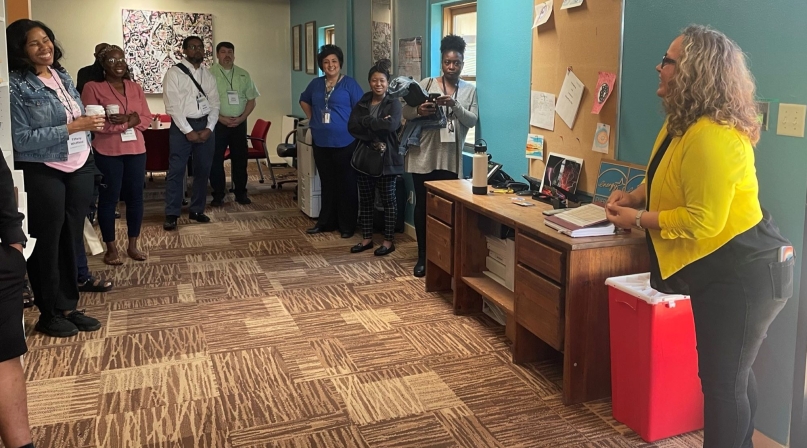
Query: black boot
x=420 y=267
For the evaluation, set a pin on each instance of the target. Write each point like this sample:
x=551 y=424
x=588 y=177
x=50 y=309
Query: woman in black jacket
x=375 y=120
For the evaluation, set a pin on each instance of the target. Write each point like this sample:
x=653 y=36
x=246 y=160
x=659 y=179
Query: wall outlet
x=791 y=120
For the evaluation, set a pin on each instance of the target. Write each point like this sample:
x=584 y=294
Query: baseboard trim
x=763 y=441
x=409 y=229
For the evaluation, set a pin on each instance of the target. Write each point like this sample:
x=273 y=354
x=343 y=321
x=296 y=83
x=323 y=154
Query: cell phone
x=433 y=97
x=786 y=253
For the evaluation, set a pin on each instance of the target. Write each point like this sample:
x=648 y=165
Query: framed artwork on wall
x=296 y=48
x=311 y=48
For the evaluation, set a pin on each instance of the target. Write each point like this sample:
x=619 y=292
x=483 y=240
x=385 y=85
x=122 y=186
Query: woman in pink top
x=120 y=150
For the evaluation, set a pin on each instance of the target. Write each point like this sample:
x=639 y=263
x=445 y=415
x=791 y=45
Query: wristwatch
x=639 y=219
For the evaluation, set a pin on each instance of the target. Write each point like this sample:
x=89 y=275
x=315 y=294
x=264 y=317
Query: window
x=330 y=36
x=461 y=20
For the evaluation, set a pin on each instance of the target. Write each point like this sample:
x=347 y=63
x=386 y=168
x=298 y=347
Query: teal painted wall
x=773 y=36
x=330 y=12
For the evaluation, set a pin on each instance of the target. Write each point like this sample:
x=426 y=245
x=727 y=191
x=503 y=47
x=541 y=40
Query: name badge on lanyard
x=232 y=97
x=77 y=142
x=204 y=105
x=326 y=115
x=129 y=135
x=448 y=134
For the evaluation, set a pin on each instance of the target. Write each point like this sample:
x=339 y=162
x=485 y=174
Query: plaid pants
x=367 y=186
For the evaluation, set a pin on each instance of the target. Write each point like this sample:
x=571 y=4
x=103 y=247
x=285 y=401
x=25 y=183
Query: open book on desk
x=586 y=220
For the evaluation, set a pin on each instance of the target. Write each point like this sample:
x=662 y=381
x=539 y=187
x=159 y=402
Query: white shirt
x=180 y=93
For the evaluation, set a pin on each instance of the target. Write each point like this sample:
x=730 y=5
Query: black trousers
x=420 y=203
x=236 y=139
x=12 y=279
x=58 y=203
x=733 y=304
x=367 y=187
x=340 y=197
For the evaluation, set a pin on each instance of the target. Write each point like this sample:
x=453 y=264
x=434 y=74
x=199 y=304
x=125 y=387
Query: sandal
x=136 y=255
x=112 y=262
x=93 y=284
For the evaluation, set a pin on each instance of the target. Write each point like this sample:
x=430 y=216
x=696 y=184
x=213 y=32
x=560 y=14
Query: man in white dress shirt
x=192 y=100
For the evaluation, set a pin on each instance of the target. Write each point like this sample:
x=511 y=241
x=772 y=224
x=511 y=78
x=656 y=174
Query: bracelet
x=639 y=219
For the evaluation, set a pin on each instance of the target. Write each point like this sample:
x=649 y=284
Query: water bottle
x=480 y=173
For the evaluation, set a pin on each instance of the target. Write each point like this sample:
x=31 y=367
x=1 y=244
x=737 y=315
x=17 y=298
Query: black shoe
x=243 y=200
x=82 y=321
x=359 y=247
x=217 y=202
x=347 y=234
x=198 y=217
x=56 y=326
x=384 y=250
x=420 y=268
x=314 y=230
x=170 y=222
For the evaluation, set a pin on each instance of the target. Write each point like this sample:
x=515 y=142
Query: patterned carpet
x=247 y=332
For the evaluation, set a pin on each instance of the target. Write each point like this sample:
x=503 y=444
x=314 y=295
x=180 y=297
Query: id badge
x=448 y=133
x=326 y=116
x=77 y=142
x=204 y=105
x=232 y=97
x=129 y=135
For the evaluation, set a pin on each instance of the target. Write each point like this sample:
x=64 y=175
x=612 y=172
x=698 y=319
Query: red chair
x=257 y=150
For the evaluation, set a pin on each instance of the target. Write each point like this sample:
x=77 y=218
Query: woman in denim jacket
x=51 y=140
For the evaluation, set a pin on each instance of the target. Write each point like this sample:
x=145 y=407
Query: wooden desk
x=560 y=303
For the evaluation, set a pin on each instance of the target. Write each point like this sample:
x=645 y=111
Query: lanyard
x=328 y=92
x=454 y=96
x=232 y=76
x=68 y=107
x=117 y=96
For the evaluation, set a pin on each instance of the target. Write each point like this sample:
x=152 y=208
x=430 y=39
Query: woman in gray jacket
x=439 y=154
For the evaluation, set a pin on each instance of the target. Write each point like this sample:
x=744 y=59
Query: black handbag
x=368 y=158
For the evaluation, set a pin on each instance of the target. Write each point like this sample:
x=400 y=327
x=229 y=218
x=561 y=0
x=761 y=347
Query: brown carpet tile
x=247 y=332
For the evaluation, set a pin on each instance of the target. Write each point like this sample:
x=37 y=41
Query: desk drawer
x=539 y=307
x=439 y=244
x=440 y=208
x=544 y=259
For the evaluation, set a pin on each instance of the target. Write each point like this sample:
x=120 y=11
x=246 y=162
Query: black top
x=365 y=126
x=88 y=74
x=10 y=218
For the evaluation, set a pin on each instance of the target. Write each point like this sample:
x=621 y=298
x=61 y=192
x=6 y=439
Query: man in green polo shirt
x=237 y=93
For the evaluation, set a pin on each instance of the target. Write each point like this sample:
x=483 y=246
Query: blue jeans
x=733 y=304
x=123 y=179
x=181 y=150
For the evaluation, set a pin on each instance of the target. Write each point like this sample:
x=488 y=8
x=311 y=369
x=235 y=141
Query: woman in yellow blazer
x=707 y=233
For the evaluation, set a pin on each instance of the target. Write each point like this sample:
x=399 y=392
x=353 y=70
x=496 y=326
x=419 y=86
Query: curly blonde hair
x=712 y=80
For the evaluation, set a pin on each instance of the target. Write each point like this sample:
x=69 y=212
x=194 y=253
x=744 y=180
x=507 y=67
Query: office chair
x=256 y=149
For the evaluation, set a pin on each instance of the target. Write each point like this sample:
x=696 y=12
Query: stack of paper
x=586 y=220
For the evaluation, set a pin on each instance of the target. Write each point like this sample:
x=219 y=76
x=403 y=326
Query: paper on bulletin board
x=571 y=4
x=602 y=138
x=535 y=146
x=569 y=99
x=542 y=110
x=605 y=86
x=543 y=11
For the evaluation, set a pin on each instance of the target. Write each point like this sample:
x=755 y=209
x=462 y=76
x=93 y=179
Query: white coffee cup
x=112 y=109
x=92 y=110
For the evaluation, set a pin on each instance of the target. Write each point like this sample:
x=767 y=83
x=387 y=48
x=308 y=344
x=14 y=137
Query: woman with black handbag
x=374 y=122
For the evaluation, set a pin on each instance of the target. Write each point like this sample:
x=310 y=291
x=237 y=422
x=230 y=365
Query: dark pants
x=733 y=305
x=180 y=152
x=386 y=186
x=82 y=267
x=420 y=203
x=340 y=198
x=12 y=279
x=58 y=203
x=236 y=139
x=123 y=180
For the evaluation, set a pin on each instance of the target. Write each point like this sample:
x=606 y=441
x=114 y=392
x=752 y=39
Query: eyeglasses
x=196 y=47
x=113 y=61
x=667 y=61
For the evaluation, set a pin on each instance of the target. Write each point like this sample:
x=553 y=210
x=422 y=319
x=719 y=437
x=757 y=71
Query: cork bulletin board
x=586 y=39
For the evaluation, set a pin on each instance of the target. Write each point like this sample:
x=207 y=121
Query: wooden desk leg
x=528 y=348
x=436 y=278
